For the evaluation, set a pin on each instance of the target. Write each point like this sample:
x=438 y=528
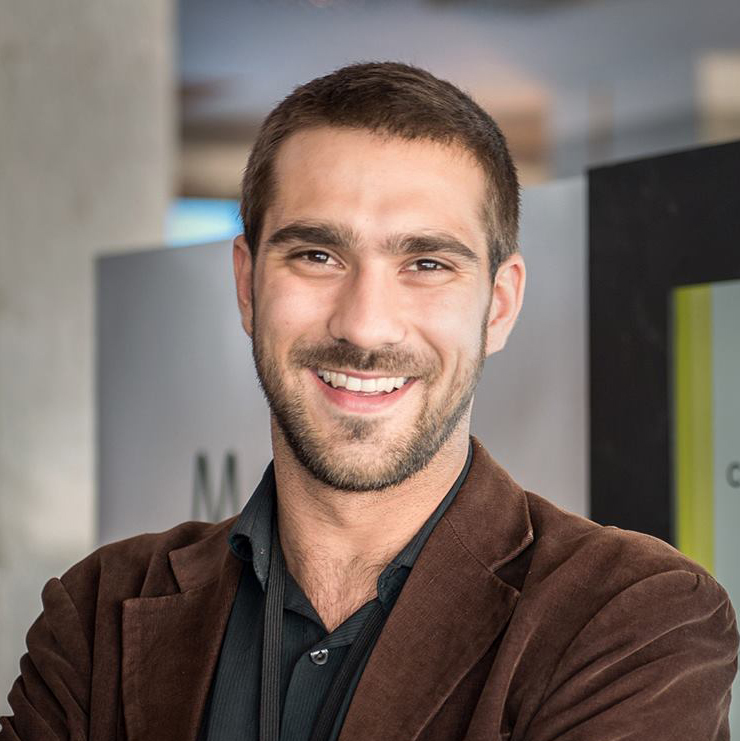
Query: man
x=387 y=580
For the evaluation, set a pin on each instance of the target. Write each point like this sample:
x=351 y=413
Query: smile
x=378 y=384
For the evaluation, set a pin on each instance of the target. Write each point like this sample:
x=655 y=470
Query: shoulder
x=605 y=612
x=531 y=542
x=583 y=580
x=140 y=566
x=591 y=550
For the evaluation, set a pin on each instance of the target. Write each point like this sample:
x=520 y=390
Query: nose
x=367 y=310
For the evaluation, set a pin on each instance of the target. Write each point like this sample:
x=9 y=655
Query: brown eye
x=318 y=257
x=426 y=265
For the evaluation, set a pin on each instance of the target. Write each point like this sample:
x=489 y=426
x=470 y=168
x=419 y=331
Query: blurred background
x=125 y=124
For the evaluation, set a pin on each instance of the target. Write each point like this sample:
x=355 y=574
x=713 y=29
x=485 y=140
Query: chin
x=364 y=465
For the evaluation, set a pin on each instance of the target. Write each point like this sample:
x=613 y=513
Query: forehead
x=377 y=184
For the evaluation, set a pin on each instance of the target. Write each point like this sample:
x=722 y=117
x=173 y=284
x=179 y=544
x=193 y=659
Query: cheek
x=450 y=325
x=288 y=310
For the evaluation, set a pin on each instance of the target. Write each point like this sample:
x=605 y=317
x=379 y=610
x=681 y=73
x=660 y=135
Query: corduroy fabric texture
x=233 y=707
x=518 y=622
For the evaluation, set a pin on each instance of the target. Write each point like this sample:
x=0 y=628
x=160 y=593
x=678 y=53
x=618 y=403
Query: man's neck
x=336 y=543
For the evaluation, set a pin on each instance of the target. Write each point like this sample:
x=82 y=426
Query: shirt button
x=319 y=657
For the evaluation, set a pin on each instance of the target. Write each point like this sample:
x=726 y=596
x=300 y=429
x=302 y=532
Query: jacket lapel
x=450 y=611
x=171 y=643
x=448 y=614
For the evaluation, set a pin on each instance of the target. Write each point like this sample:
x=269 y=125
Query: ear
x=506 y=302
x=243 y=277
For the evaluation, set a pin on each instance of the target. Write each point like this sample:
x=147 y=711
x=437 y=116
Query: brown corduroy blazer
x=519 y=622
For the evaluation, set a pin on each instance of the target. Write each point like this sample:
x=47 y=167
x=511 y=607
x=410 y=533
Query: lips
x=362 y=383
x=360 y=401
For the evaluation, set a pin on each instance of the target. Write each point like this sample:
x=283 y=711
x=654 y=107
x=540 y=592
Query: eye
x=427 y=265
x=317 y=257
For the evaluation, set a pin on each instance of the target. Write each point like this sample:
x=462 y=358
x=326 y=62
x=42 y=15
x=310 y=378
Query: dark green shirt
x=311 y=655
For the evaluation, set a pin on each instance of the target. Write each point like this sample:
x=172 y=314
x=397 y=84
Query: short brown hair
x=399 y=100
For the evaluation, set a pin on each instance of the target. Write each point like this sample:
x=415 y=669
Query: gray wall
x=531 y=408
x=176 y=376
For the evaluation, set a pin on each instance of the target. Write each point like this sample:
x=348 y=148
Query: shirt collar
x=250 y=537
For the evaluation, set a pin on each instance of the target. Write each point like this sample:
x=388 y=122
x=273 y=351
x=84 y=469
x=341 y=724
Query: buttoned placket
x=233 y=707
x=318 y=664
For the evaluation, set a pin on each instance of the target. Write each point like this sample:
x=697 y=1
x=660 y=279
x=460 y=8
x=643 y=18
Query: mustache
x=394 y=361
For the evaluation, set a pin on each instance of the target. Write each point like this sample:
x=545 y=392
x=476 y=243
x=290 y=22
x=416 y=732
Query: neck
x=336 y=543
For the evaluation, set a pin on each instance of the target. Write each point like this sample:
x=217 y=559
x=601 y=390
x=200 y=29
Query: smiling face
x=370 y=303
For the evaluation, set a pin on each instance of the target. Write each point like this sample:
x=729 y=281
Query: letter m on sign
x=204 y=495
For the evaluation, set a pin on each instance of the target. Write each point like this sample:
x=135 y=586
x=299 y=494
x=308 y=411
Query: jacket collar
x=199 y=563
x=171 y=643
x=451 y=610
x=491 y=515
x=449 y=613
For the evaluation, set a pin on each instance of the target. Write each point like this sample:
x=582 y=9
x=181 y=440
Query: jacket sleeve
x=50 y=699
x=656 y=662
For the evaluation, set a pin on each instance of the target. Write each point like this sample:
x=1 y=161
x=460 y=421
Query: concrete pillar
x=87 y=138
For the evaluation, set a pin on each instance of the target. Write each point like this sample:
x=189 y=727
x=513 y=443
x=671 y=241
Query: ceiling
x=632 y=61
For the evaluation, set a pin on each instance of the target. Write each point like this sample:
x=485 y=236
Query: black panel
x=653 y=224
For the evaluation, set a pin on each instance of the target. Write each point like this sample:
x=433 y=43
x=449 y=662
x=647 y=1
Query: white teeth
x=366 y=385
x=353 y=384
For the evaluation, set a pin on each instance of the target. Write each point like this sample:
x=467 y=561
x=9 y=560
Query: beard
x=333 y=459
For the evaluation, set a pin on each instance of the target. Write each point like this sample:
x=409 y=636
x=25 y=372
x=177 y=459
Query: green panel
x=694 y=457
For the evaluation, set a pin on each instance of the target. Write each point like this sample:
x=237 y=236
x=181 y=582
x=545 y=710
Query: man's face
x=371 y=302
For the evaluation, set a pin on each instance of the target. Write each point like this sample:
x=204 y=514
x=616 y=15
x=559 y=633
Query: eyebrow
x=416 y=244
x=337 y=235
x=326 y=235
